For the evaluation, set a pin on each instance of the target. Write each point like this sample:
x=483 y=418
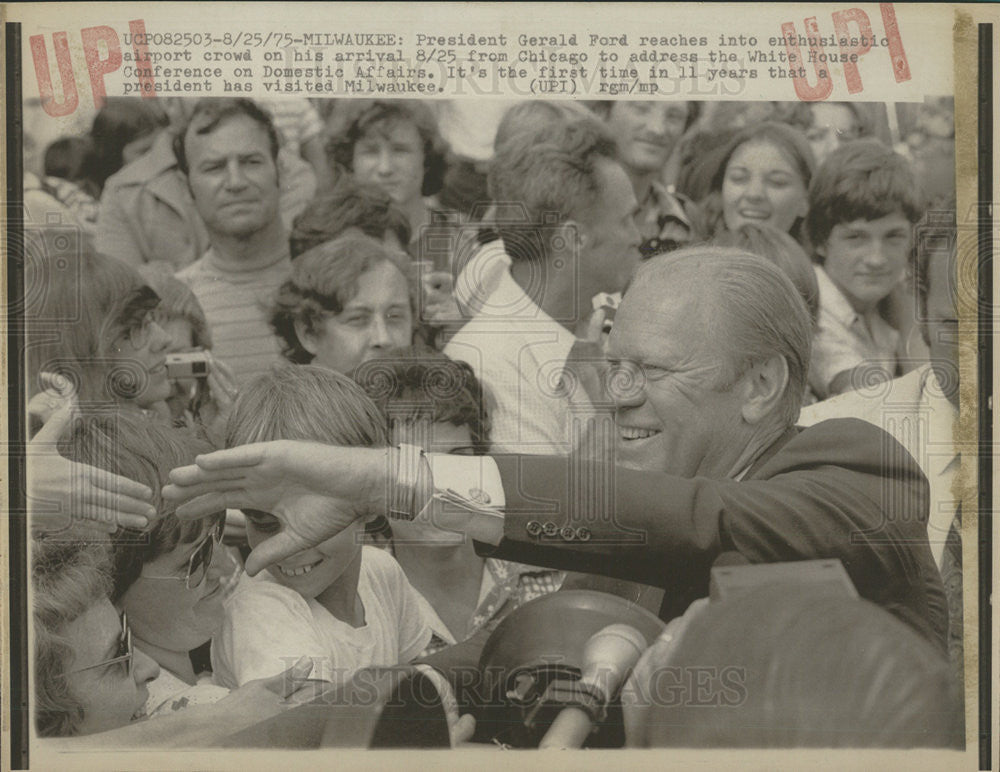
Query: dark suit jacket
x=840 y=489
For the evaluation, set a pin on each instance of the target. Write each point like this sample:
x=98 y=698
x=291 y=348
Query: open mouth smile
x=635 y=433
x=300 y=571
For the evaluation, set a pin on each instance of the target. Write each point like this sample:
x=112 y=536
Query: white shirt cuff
x=472 y=482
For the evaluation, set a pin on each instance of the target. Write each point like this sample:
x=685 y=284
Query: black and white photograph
x=587 y=377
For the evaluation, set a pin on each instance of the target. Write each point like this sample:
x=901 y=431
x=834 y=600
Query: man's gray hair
x=758 y=308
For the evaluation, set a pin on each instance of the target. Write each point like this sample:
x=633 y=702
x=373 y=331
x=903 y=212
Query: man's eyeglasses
x=124 y=654
x=200 y=560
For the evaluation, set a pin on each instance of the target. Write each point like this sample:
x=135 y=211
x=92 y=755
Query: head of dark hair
x=358 y=117
x=64 y=158
x=143 y=450
x=120 y=121
x=861 y=180
x=419 y=383
x=349 y=204
x=790 y=141
x=208 y=114
x=323 y=281
x=807 y=669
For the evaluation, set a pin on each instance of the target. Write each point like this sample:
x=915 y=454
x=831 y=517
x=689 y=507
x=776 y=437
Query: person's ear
x=307 y=336
x=764 y=387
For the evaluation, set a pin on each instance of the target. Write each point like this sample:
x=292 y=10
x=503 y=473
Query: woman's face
x=391 y=155
x=164 y=612
x=137 y=366
x=376 y=319
x=762 y=187
x=110 y=697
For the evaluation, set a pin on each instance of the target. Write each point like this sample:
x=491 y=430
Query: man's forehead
x=656 y=313
x=215 y=141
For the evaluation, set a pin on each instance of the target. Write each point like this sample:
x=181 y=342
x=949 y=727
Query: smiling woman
x=762 y=179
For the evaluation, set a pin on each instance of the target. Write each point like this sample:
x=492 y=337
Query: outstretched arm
x=315 y=491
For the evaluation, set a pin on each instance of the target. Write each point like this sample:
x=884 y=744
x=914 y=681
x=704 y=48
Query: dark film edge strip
x=986 y=263
x=17 y=526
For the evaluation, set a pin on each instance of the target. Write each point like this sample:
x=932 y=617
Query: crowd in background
x=374 y=273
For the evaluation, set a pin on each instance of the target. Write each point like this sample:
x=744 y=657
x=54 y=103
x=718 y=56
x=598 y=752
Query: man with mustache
x=647 y=132
x=228 y=150
x=709 y=355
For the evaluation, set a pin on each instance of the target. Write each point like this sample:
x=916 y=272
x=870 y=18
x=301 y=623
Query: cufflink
x=583 y=534
x=479 y=496
x=533 y=527
x=568 y=533
x=550 y=529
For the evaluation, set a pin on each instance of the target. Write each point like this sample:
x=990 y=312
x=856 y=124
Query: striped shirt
x=237 y=305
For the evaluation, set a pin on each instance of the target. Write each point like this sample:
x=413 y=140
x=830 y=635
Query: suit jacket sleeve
x=842 y=489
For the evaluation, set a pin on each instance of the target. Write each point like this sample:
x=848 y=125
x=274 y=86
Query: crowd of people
x=315 y=389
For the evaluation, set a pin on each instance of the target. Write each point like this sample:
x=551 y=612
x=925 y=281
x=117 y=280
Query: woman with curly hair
x=347 y=301
x=88 y=676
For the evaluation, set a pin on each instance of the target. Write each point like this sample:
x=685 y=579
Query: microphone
x=607 y=656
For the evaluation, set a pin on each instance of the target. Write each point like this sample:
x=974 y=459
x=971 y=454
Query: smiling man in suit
x=709 y=356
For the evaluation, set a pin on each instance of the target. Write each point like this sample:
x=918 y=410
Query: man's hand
x=314 y=490
x=63 y=493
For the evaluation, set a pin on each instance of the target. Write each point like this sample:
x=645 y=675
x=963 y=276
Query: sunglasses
x=124 y=653
x=200 y=560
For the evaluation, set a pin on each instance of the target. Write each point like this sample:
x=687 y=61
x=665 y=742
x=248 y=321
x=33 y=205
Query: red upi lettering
x=99 y=64
x=853 y=44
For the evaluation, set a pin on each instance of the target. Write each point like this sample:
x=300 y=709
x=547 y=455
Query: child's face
x=867 y=259
x=311 y=571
